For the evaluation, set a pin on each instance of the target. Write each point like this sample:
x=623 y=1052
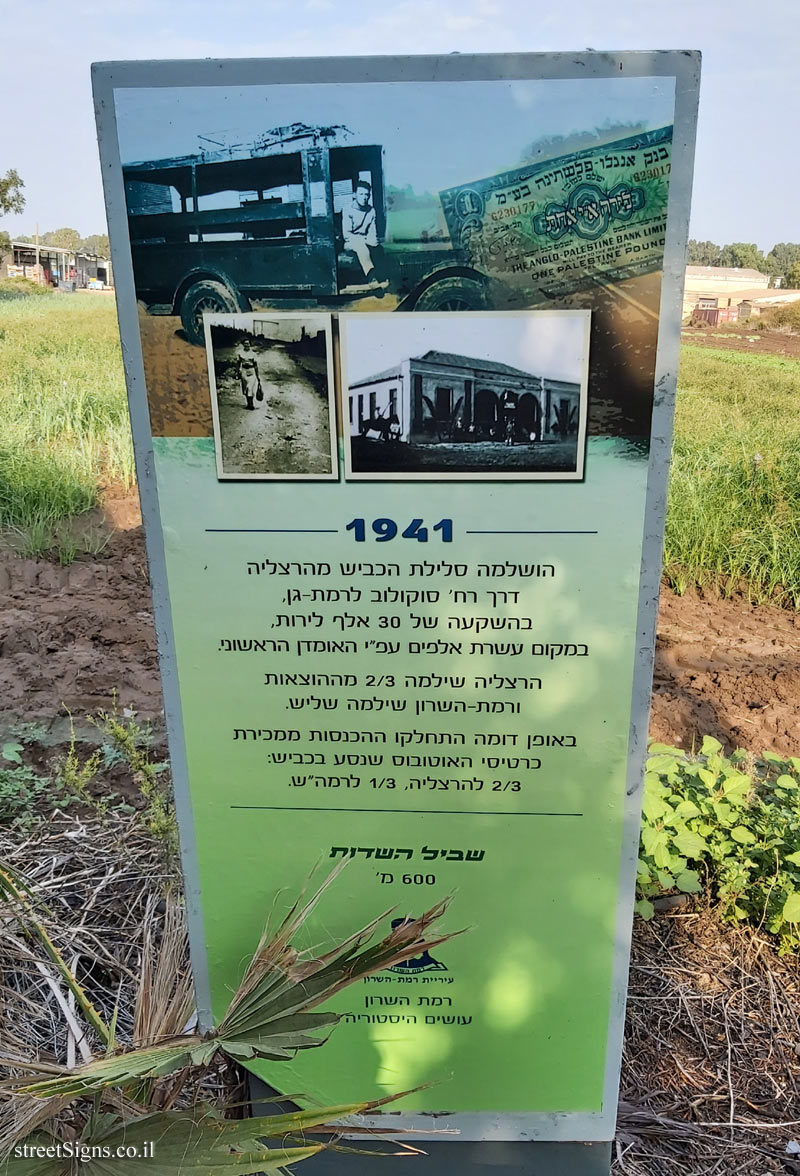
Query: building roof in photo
x=726 y=272
x=448 y=359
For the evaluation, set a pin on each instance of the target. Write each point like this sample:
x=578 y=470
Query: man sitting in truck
x=359 y=229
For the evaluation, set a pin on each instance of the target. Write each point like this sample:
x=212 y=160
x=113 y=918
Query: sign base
x=443 y=1157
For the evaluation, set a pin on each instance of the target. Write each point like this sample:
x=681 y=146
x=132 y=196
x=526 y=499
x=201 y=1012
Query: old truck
x=225 y=229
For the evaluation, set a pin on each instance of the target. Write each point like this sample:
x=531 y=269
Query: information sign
x=401 y=339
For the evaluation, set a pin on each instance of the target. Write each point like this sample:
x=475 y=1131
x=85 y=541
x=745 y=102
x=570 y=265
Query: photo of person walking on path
x=249 y=379
x=282 y=367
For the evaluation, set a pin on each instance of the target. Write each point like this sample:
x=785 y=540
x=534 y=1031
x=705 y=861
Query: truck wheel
x=452 y=294
x=208 y=297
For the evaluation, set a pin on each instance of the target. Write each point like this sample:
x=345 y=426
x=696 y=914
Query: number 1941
x=386 y=529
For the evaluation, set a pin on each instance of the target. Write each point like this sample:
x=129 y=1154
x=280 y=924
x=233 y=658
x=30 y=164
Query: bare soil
x=740 y=339
x=70 y=637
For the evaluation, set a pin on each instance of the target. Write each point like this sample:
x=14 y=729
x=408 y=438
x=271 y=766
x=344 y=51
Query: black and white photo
x=491 y=395
x=272 y=395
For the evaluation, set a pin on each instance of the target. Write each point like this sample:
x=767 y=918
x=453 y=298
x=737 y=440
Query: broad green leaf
x=656 y=843
x=772 y=757
x=645 y=909
x=666 y=880
x=708 y=778
x=785 y=781
x=794 y=858
x=666 y=749
x=791 y=908
x=689 y=882
x=642 y=871
x=723 y=812
x=736 y=787
x=654 y=808
x=689 y=844
x=660 y=764
x=10 y=753
x=687 y=809
x=710 y=746
x=743 y=835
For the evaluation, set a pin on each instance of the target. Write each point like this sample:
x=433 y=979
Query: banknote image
x=545 y=231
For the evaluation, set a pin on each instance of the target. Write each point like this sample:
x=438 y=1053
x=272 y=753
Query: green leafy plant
x=137 y=1091
x=22 y=789
x=76 y=774
x=131 y=742
x=731 y=820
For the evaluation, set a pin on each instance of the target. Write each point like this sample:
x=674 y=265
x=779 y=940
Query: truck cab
x=218 y=231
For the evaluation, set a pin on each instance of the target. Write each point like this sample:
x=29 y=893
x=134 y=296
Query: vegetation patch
x=734 y=495
x=730 y=821
x=64 y=430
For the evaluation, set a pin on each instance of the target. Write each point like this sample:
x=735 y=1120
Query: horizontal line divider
x=290 y=808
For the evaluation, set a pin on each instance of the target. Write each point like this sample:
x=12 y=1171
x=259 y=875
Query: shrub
x=786 y=317
x=21 y=288
x=735 y=818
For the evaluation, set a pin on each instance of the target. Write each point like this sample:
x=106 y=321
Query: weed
x=75 y=775
x=736 y=817
x=22 y=792
x=131 y=742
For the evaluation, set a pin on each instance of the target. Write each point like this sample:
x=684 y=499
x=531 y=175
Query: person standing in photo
x=247 y=372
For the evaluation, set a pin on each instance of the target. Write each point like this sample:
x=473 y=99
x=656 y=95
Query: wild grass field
x=64 y=432
x=733 y=523
x=733 y=520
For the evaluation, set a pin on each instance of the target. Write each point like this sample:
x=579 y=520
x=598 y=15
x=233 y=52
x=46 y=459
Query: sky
x=747 y=168
x=547 y=343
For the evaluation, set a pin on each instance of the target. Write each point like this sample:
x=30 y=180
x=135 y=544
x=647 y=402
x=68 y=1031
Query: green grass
x=733 y=521
x=64 y=429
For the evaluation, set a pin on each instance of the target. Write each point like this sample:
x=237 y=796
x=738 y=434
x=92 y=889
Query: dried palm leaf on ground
x=270 y=1016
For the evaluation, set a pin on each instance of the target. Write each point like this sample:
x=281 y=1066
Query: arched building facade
x=441 y=396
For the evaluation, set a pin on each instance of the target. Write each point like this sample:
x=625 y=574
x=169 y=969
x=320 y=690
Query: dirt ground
x=449 y=457
x=286 y=433
x=71 y=636
x=740 y=339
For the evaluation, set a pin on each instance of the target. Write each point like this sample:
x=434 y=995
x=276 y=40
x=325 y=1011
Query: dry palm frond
x=15 y=891
x=165 y=996
x=270 y=1014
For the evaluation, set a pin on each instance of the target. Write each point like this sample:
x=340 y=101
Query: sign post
x=401 y=339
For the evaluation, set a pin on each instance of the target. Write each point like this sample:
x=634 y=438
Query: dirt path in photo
x=287 y=432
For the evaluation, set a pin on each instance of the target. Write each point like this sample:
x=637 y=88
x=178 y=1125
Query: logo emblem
x=424 y=962
x=588 y=212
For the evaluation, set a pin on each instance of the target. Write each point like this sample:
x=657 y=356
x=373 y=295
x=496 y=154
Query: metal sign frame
x=498 y=1134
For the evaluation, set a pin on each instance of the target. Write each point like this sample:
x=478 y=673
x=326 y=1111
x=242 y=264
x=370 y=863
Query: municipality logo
x=424 y=962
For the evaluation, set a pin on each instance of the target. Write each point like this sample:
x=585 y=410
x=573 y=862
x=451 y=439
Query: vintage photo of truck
x=278 y=221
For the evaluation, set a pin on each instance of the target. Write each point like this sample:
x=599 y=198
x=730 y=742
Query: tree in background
x=62 y=239
x=11 y=201
x=97 y=243
x=792 y=276
x=743 y=255
x=784 y=257
x=704 y=253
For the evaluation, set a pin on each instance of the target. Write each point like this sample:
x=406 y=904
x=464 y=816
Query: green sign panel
x=392 y=339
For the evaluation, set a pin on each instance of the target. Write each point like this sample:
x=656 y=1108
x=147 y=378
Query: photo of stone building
x=455 y=412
